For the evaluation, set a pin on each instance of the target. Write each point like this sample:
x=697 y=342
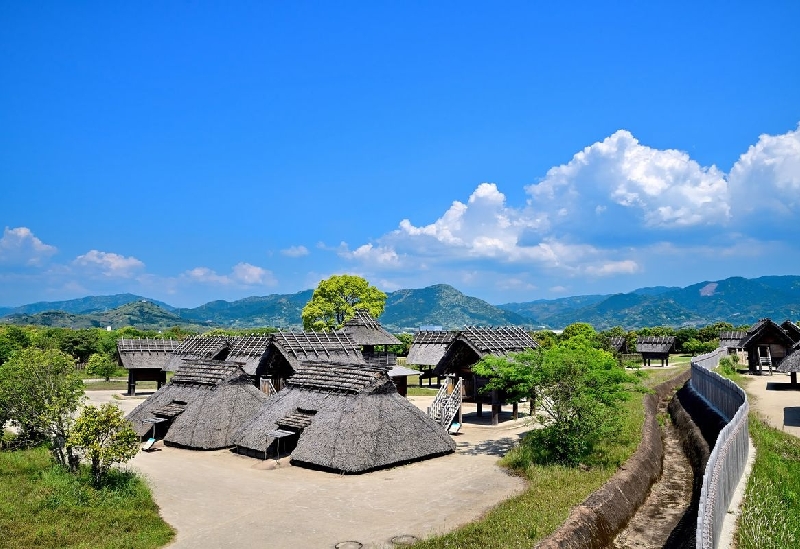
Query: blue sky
x=198 y=151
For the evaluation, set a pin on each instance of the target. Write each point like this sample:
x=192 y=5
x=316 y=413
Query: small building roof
x=731 y=339
x=365 y=330
x=618 y=343
x=353 y=421
x=199 y=346
x=288 y=350
x=429 y=347
x=763 y=328
x=792 y=329
x=473 y=343
x=654 y=344
x=248 y=350
x=206 y=401
x=145 y=353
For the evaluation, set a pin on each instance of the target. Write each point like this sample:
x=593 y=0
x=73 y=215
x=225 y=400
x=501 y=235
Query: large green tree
x=42 y=392
x=336 y=299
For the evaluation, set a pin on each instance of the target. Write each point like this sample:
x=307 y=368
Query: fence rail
x=729 y=456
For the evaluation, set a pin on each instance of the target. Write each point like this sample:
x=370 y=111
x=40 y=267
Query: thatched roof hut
x=731 y=339
x=199 y=347
x=366 y=331
x=655 y=347
x=145 y=359
x=346 y=418
x=248 y=350
x=202 y=405
x=766 y=344
x=286 y=351
x=792 y=329
x=791 y=364
x=471 y=344
x=618 y=344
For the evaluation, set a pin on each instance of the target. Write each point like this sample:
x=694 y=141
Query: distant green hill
x=442 y=305
x=90 y=304
x=277 y=310
x=142 y=315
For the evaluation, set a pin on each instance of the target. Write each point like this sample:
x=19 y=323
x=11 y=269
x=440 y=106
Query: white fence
x=729 y=456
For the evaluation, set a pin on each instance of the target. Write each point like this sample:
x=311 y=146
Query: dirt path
x=668 y=500
x=776 y=400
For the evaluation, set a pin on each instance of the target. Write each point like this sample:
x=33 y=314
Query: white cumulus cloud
x=21 y=246
x=242 y=274
x=109 y=264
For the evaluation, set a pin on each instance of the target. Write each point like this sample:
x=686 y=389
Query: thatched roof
x=472 y=344
x=792 y=329
x=286 y=351
x=145 y=353
x=731 y=339
x=792 y=361
x=365 y=330
x=763 y=328
x=618 y=344
x=429 y=347
x=402 y=371
x=354 y=421
x=199 y=346
x=248 y=350
x=207 y=400
x=654 y=344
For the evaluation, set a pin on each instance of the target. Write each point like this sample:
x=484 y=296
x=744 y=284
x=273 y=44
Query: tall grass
x=44 y=506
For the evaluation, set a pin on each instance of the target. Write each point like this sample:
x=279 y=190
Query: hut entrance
x=164 y=416
x=289 y=430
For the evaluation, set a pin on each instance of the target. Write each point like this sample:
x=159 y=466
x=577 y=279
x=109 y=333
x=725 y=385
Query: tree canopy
x=336 y=299
x=104 y=437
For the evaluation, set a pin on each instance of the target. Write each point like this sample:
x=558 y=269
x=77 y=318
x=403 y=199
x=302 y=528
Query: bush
x=101 y=365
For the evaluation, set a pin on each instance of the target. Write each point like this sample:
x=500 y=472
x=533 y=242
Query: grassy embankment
x=770 y=515
x=552 y=490
x=44 y=506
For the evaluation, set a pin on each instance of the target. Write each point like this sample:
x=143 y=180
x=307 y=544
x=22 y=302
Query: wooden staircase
x=447 y=403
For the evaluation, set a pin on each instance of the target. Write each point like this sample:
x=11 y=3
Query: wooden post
x=495 y=408
x=515 y=410
x=794 y=378
x=480 y=409
x=131 y=384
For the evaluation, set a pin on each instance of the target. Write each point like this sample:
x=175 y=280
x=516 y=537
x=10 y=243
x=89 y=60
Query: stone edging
x=596 y=522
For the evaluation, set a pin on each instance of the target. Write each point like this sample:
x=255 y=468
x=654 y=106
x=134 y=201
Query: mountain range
x=737 y=300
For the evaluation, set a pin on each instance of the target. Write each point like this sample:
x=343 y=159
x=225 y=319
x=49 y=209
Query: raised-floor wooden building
x=145 y=359
x=766 y=344
x=655 y=347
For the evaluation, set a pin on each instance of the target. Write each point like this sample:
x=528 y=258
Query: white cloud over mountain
x=19 y=246
x=242 y=274
x=109 y=264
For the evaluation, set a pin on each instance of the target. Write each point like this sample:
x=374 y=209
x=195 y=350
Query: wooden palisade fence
x=729 y=456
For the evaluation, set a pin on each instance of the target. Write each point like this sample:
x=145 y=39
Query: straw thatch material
x=207 y=400
x=766 y=328
x=792 y=329
x=365 y=330
x=286 y=351
x=654 y=344
x=618 y=344
x=199 y=347
x=429 y=347
x=472 y=344
x=731 y=339
x=354 y=421
x=792 y=361
x=146 y=353
x=248 y=350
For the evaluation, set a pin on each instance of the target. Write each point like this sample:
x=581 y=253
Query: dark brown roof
x=248 y=350
x=654 y=344
x=472 y=344
x=792 y=329
x=170 y=410
x=791 y=363
x=365 y=330
x=617 y=343
x=145 y=353
x=351 y=432
x=763 y=327
x=344 y=378
x=731 y=339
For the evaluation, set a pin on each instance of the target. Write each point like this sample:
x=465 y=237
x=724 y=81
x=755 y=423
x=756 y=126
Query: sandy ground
x=776 y=400
x=221 y=499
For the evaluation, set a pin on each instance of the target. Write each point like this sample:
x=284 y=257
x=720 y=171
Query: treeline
x=692 y=341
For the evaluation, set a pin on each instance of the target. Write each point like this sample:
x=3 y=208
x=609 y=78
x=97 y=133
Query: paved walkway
x=221 y=499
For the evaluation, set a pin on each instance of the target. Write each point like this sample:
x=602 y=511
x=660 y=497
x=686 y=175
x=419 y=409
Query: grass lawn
x=44 y=506
x=771 y=509
x=552 y=490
